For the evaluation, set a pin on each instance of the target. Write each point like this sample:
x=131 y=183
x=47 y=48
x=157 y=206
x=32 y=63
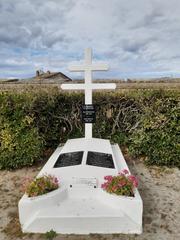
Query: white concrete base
x=82 y=209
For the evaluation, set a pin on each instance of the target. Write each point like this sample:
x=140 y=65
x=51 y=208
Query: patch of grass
x=13 y=228
x=50 y=235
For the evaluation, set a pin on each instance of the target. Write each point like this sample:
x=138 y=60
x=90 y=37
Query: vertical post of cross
x=88 y=89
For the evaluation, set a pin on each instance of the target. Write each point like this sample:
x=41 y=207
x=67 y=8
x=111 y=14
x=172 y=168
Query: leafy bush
x=144 y=121
x=20 y=143
x=156 y=137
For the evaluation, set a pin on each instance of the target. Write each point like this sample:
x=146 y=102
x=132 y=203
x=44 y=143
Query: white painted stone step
x=82 y=217
x=73 y=207
x=83 y=225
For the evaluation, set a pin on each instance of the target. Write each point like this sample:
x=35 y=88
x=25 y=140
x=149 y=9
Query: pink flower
x=103 y=185
x=134 y=180
x=122 y=183
x=125 y=171
x=135 y=183
x=108 y=178
x=114 y=188
x=56 y=180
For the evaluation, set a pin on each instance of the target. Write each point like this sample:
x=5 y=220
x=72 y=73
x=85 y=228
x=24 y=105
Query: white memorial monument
x=80 y=205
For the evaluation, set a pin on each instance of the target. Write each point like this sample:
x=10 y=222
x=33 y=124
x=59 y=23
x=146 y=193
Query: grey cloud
x=138 y=35
x=134 y=46
x=32 y=23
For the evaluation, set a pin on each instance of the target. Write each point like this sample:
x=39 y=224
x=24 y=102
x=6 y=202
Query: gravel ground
x=159 y=188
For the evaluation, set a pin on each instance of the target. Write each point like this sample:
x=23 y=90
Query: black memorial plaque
x=100 y=160
x=69 y=159
x=88 y=113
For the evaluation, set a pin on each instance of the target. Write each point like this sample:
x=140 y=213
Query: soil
x=159 y=188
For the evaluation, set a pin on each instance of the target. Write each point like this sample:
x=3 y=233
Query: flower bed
x=40 y=185
x=122 y=184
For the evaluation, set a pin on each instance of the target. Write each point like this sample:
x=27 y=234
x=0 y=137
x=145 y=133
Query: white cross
x=88 y=67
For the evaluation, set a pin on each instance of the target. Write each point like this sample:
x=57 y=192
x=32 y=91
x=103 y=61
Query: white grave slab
x=80 y=205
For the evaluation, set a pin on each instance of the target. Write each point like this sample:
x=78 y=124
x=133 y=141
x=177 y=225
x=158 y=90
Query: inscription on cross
x=88 y=67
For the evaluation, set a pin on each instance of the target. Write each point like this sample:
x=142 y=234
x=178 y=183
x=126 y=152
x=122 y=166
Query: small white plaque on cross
x=88 y=67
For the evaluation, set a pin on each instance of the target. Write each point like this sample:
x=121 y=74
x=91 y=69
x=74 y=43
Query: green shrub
x=144 y=121
x=20 y=143
x=57 y=117
x=117 y=116
x=156 y=137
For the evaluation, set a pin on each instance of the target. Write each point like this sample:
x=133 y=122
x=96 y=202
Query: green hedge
x=145 y=121
x=20 y=142
x=157 y=136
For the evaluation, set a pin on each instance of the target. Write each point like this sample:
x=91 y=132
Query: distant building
x=48 y=77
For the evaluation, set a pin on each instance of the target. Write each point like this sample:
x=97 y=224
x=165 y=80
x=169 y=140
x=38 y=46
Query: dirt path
x=159 y=188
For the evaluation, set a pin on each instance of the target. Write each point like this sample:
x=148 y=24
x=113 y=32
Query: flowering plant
x=40 y=185
x=123 y=184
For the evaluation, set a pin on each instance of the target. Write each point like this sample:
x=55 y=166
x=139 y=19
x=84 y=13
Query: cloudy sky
x=138 y=38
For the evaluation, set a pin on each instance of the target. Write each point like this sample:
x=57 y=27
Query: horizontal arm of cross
x=91 y=67
x=77 y=86
x=103 y=86
x=94 y=86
